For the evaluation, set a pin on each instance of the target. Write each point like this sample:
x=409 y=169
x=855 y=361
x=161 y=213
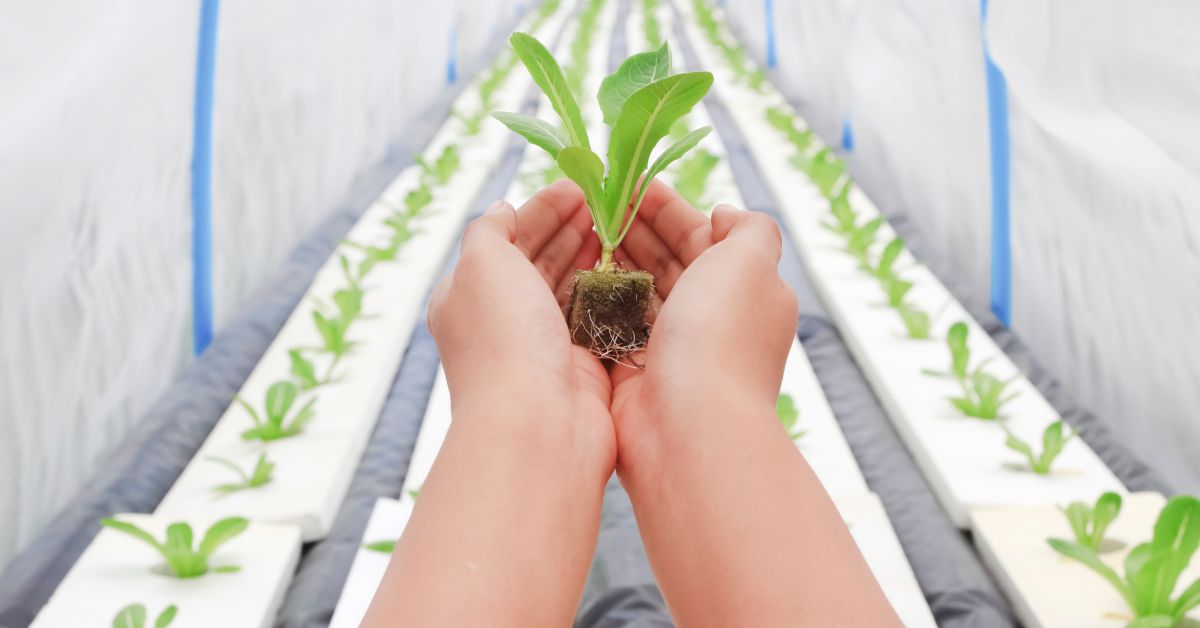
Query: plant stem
x=606 y=262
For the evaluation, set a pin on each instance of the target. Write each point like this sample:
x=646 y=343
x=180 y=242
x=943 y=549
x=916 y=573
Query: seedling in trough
x=983 y=395
x=1053 y=442
x=182 y=559
x=134 y=616
x=788 y=414
x=258 y=476
x=916 y=321
x=640 y=103
x=280 y=398
x=418 y=199
x=1153 y=568
x=859 y=241
x=444 y=167
x=691 y=178
x=1089 y=523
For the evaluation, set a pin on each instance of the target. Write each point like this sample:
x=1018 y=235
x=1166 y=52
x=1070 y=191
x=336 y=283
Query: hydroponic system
x=270 y=485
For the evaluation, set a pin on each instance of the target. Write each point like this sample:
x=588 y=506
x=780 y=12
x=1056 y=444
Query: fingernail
x=496 y=208
x=725 y=207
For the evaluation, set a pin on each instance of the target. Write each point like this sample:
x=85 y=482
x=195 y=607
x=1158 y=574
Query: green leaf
x=634 y=73
x=179 y=537
x=1176 y=538
x=1152 y=621
x=221 y=532
x=386 y=547
x=1108 y=506
x=166 y=617
x=645 y=119
x=227 y=569
x=1189 y=599
x=669 y=156
x=132 y=616
x=786 y=411
x=262 y=471
x=1091 y=560
x=1078 y=515
x=1020 y=446
x=888 y=258
x=303 y=370
x=549 y=78
x=132 y=530
x=280 y=397
x=302 y=418
x=960 y=354
x=538 y=132
x=583 y=167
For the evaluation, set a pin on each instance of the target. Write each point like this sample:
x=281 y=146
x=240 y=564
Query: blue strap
x=452 y=56
x=1001 y=173
x=206 y=61
x=847 y=135
x=772 y=55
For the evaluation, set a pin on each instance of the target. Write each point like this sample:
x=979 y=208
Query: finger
x=542 y=216
x=585 y=259
x=436 y=299
x=754 y=231
x=648 y=252
x=681 y=227
x=558 y=255
x=498 y=222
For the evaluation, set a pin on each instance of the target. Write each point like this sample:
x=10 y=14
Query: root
x=608 y=343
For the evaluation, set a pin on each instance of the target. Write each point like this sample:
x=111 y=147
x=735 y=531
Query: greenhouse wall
x=96 y=114
x=1105 y=186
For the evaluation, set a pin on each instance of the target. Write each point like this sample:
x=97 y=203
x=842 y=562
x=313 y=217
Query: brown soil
x=609 y=309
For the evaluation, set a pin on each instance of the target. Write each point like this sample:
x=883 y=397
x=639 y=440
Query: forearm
x=503 y=532
x=738 y=529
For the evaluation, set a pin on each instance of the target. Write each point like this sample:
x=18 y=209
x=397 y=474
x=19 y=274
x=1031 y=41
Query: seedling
x=859 y=241
x=1053 y=441
x=826 y=171
x=414 y=493
x=373 y=255
x=983 y=395
x=1152 y=569
x=303 y=370
x=785 y=123
x=640 y=102
x=895 y=288
x=844 y=216
x=418 y=199
x=960 y=353
x=691 y=178
x=333 y=329
x=472 y=124
x=885 y=268
x=916 y=321
x=260 y=475
x=651 y=29
x=788 y=414
x=1090 y=523
x=182 y=559
x=134 y=616
x=280 y=398
x=444 y=167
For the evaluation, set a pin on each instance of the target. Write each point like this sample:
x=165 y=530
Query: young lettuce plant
x=825 y=170
x=895 y=289
x=916 y=322
x=444 y=167
x=280 y=398
x=788 y=414
x=1089 y=523
x=418 y=199
x=134 y=616
x=983 y=395
x=1153 y=568
x=845 y=219
x=1053 y=442
x=258 y=476
x=183 y=560
x=859 y=241
x=640 y=103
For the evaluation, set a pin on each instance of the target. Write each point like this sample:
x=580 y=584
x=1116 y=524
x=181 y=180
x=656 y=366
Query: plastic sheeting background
x=1106 y=174
x=95 y=218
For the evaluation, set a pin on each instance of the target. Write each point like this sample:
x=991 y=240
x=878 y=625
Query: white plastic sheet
x=1105 y=185
x=95 y=144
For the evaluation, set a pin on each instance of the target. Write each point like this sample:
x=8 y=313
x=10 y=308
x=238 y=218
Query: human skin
x=738 y=530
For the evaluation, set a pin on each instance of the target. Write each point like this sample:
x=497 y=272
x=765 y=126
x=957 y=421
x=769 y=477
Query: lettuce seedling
x=788 y=414
x=885 y=269
x=651 y=29
x=134 y=616
x=1152 y=569
x=845 y=219
x=691 y=178
x=1053 y=441
x=895 y=288
x=825 y=170
x=859 y=241
x=443 y=167
x=916 y=321
x=415 y=493
x=280 y=398
x=472 y=124
x=785 y=123
x=640 y=102
x=983 y=395
x=260 y=475
x=182 y=559
x=960 y=352
x=303 y=370
x=418 y=199
x=1089 y=523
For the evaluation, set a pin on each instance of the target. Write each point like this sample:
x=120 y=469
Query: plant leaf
x=1078 y=515
x=1108 y=506
x=785 y=409
x=227 y=569
x=132 y=530
x=1016 y=444
x=385 y=547
x=280 y=397
x=262 y=471
x=179 y=537
x=132 y=616
x=584 y=167
x=302 y=369
x=669 y=156
x=1189 y=599
x=1176 y=537
x=645 y=119
x=1092 y=561
x=633 y=74
x=220 y=532
x=302 y=418
x=960 y=354
x=538 y=132
x=1152 y=621
x=166 y=617
x=549 y=78
x=888 y=258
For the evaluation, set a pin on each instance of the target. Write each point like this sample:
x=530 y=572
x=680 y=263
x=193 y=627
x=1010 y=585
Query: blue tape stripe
x=772 y=55
x=206 y=61
x=452 y=57
x=1001 y=173
x=847 y=134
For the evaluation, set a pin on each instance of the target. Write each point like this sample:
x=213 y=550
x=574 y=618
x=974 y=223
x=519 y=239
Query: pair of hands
x=722 y=334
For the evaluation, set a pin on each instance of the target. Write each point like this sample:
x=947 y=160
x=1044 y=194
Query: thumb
x=499 y=220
